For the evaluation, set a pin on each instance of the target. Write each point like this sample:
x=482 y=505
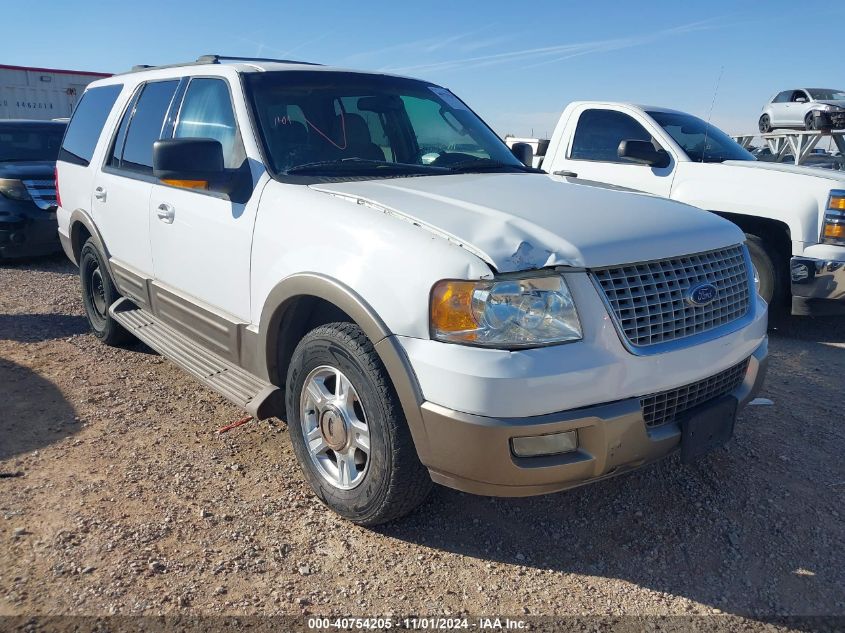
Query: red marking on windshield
x=325 y=136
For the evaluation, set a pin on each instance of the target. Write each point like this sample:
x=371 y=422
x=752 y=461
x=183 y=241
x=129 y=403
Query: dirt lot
x=118 y=497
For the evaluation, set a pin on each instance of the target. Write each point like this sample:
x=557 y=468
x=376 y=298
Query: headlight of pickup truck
x=833 y=229
x=504 y=313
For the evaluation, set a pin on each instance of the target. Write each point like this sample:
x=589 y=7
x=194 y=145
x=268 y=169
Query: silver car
x=797 y=108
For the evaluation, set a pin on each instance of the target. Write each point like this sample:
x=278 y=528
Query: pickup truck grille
x=649 y=300
x=43 y=192
x=665 y=407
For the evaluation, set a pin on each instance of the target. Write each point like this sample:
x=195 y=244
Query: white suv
x=361 y=255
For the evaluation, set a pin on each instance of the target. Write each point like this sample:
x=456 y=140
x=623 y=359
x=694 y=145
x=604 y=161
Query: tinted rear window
x=87 y=124
x=29 y=142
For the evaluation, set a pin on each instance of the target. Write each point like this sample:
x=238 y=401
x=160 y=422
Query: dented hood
x=525 y=221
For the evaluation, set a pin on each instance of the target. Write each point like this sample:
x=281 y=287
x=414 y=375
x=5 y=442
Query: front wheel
x=809 y=122
x=98 y=293
x=765 y=124
x=348 y=430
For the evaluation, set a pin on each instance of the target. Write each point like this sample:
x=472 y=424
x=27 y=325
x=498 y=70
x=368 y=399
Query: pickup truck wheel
x=348 y=430
x=771 y=280
x=765 y=124
x=98 y=293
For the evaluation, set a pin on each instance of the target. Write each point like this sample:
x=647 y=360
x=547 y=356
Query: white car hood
x=526 y=221
x=814 y=172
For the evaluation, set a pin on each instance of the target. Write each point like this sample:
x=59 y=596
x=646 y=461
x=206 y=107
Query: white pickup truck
x=793 y=217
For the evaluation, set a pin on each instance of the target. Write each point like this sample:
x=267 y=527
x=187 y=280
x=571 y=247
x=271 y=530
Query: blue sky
x=517 y=64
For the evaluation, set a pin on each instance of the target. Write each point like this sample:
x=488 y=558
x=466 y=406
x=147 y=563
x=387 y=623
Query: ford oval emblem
x=702 y=295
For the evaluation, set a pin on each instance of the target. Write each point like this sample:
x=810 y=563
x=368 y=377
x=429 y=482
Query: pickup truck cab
x=793 y=217
x=360 y=255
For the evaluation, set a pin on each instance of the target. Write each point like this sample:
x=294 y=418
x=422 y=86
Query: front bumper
x=473 y=452
x=818 y=286
x=26 y=230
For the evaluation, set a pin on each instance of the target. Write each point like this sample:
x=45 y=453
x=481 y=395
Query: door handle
x=563 y=172
x=166 y=213
x=100 y=194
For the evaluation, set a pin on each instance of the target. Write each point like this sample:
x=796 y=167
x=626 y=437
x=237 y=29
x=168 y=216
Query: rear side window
x=87 y=124
x=599 y=133
x=147 y=119
x=207 y=113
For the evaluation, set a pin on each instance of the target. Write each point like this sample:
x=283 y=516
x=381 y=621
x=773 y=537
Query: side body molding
x=309 y=284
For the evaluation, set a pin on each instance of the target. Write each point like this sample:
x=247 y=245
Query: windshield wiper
x=360 y=164
x=488 y=164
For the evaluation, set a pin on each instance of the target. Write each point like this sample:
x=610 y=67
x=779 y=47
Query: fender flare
x=81 y=217
x=310 y=284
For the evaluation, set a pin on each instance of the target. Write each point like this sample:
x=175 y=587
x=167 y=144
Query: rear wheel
x=770 y=276
x=765 y=124
x=98 y=293
x=348 y=429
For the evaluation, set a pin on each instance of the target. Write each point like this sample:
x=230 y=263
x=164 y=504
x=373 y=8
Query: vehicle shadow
x=753 y=529
x=55 y=263
x=819 y=329
x=31 y=328
x=35 y=413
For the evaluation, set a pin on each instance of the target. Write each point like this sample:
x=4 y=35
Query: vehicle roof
x=224 y=68
x=32 y=122
x=637 y=106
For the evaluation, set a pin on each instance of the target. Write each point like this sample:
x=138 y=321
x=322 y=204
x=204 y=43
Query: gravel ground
x=118 y=497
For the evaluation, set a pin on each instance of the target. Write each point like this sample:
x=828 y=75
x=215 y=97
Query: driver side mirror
x=801 y=100
x=524 y=153
x=192 y=163
x=643 y=153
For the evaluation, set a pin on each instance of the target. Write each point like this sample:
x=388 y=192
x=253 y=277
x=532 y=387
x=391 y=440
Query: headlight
x=13 y=189
x=504 y=313
x=833 y=227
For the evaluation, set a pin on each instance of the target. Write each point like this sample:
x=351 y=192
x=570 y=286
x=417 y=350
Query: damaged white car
x=360 y=255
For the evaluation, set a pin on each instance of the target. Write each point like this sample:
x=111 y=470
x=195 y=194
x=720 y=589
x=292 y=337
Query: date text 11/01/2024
x=416 y=624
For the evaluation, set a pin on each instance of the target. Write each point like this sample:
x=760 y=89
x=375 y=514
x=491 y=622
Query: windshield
x=330 y=123
x=21 y=143
x=820 y=94
x=702 y=142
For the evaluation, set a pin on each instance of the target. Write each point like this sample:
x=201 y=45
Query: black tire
x=98 y=293
x=394 y=482
x=809 y=122
x=765 y=124
x=772 y=279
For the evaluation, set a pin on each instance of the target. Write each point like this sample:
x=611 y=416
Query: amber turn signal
x=837 y=203
x=186 y=184
x=836 y=231
x=451 y=306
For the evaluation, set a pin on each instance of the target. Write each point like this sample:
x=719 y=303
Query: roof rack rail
x=216 y=59
x=140 y=67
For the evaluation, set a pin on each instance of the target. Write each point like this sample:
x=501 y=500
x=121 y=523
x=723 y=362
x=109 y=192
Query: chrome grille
x=665 y=407
x=43 y=192
x=649 y=299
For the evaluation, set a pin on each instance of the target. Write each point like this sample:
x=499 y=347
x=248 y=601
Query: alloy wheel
x=335 y=428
